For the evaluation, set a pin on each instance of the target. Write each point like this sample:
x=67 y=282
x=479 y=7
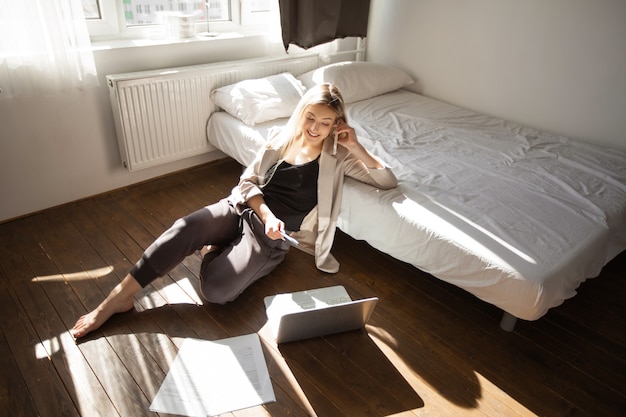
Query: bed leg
x=508 y=322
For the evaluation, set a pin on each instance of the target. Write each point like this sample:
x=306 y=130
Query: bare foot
x=119 y=300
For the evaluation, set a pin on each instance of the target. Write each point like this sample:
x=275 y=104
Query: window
x=145 y=18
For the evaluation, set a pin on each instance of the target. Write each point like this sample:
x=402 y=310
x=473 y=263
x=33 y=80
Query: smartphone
x=289 y=239
x=336 y=136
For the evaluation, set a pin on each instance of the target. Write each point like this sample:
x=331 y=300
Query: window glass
x=91 y=9
x=256 y=12
x=147 y=12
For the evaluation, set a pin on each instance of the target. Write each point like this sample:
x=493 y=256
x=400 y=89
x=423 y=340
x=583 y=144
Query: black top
x=291 y=192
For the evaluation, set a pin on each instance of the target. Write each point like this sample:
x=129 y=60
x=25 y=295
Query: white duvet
x=516 y=217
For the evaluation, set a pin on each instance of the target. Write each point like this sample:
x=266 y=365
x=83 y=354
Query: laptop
x=317 y=312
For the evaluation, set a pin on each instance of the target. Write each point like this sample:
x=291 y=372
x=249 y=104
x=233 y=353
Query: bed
x=517 y=217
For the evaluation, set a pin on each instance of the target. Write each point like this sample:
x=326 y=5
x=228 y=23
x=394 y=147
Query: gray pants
x=247 y=254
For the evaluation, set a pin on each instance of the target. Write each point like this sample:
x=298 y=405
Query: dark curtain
x=307 y=23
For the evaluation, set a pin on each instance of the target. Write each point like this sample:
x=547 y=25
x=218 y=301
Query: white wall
x=556 y=65
x=62 y=148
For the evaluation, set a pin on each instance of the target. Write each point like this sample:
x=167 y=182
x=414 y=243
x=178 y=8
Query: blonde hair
x=327 y=94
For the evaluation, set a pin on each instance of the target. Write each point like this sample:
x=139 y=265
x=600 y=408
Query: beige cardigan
x=317 y=231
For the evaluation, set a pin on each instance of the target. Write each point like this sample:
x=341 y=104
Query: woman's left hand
x=346 y=135
x=347 y=138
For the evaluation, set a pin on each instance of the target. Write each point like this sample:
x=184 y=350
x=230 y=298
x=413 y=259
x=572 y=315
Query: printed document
x=209 y=378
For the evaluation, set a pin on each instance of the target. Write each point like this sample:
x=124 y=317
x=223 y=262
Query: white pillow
x=259 y=100
x=358 y=80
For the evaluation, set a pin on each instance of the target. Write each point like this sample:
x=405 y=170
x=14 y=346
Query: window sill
x=107 y=44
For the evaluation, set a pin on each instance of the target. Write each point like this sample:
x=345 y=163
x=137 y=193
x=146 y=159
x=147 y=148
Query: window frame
x=112 y=24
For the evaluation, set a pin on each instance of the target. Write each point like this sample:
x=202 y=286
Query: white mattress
x=516 y=217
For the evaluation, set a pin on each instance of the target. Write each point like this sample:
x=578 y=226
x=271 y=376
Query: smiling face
x=317 y=123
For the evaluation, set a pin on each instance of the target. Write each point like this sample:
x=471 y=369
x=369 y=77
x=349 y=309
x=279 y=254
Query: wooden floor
x=430 y=349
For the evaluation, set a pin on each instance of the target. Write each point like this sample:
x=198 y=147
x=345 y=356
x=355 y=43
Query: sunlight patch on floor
x=46 y=348
x=434 y=403
x=179 y=292
x=489 y=396
x=76 y=276
x=185 y=285
x=499 y=401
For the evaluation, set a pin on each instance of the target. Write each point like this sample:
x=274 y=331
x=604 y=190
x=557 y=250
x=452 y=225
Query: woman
x=292 y=190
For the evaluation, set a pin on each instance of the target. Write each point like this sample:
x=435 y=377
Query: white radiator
x=160 y=116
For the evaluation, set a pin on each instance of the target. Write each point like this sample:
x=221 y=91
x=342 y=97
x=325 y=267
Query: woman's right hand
x=274 y=227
